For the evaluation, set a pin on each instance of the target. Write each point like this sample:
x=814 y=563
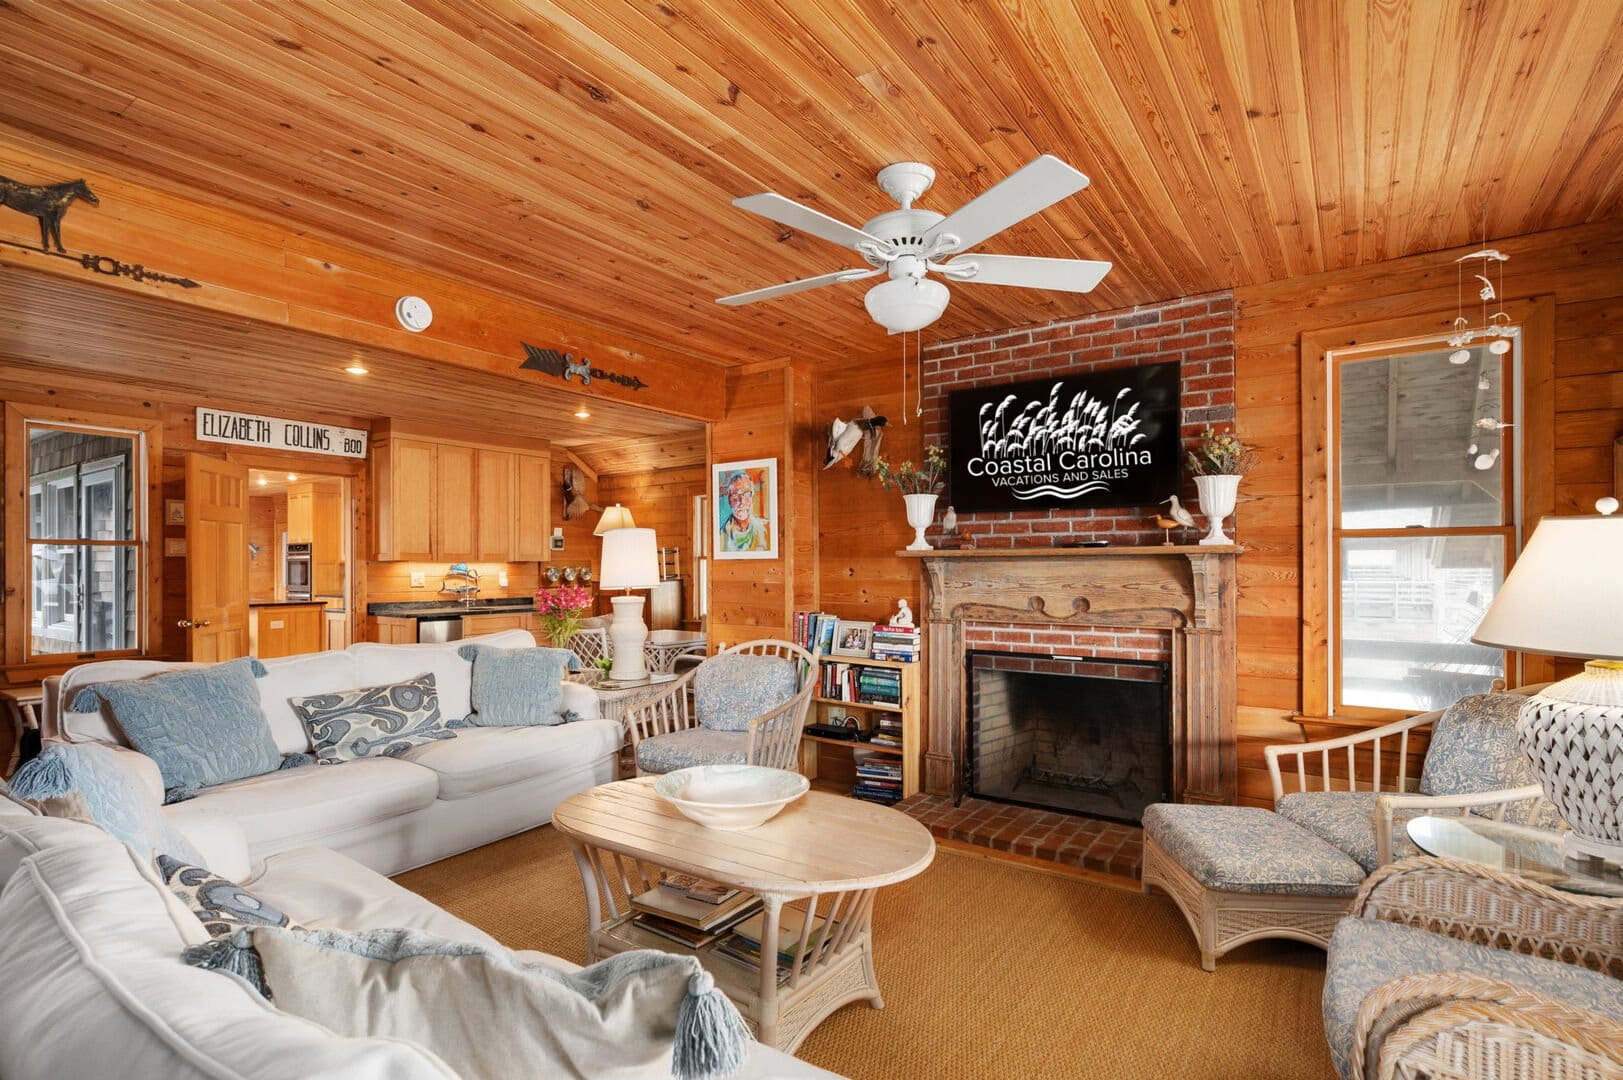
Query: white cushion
x=582 y=700
x=380 y=665
x=300 y=676
x=23 y=834
x=218 y=837
x=95 y=725
x=324 y=890
x=92 y=984
x=294 y=807
x=481 y=759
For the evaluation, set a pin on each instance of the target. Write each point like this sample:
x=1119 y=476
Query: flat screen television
x=1105 y=438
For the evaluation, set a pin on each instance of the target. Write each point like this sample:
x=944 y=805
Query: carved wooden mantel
x=1188 y=591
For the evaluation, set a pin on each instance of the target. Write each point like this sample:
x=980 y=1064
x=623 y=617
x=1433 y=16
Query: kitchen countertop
x=433 y=609
x=287 y=603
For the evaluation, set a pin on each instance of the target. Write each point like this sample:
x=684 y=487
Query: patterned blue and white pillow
x=223 y=907
x=732 y=689
x=374 y=721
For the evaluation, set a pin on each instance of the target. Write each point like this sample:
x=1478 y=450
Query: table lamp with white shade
x=630 y=561
x=1564 y=597
x=615 y=517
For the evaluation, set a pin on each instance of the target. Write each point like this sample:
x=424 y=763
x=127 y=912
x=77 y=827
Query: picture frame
x=174 y=511
x=745 y=522
x=852 y=638
x=174 y=547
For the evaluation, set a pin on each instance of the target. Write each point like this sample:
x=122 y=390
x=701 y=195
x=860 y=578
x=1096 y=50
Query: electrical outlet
x=419 y=580
x=501 y=579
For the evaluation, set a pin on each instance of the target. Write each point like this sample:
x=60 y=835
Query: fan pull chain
x=918 y=380
x=904 y=377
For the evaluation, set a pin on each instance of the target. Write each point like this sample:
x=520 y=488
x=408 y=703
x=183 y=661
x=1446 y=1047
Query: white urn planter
x=920 y=512
x=1217 y=497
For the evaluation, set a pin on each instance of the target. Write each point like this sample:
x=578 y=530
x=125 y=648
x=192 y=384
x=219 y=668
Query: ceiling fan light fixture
x=906 y=304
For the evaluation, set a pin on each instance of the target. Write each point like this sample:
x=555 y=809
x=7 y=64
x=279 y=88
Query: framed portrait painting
x=746 y=501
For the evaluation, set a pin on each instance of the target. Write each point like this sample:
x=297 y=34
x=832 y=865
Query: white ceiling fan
x=908 y=243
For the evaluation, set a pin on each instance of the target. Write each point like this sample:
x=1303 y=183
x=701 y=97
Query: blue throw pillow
x=517 y=687
x=203 y=726
x=375 y=721
x=90 y=781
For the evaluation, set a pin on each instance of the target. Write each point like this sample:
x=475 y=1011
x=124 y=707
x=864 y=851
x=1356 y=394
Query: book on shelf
x=697 y=888
x=677 y=932
x=698 y=914
x=744 y=943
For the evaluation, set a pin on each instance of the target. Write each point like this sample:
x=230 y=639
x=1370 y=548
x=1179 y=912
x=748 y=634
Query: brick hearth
x=1065 y=839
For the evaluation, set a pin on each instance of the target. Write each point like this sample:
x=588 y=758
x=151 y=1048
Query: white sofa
x=390 y=814
x=92 y=983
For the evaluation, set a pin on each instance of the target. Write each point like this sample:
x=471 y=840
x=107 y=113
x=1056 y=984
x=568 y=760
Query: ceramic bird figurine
x=949 y=520
x=1179 y=514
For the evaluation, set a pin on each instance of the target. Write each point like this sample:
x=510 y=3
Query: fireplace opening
x=1083 y=735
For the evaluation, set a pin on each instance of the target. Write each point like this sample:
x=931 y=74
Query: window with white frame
x=1422 y=522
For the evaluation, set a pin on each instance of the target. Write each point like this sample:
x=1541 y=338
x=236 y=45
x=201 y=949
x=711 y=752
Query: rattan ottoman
x=1239 y=873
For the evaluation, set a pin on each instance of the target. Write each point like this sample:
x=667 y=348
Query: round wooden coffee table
x=827 y=852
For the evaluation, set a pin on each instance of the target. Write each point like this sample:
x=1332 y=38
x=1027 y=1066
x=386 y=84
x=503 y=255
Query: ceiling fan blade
x=1036 y=186
x=854 y=274
x=788 y=212
x=1029 y=272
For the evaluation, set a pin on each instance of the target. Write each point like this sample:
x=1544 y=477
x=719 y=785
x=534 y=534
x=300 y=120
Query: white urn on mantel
x=920 y=513
x=1217 y=498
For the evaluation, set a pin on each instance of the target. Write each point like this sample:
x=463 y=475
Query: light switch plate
x=501 y=579
x=418 y=580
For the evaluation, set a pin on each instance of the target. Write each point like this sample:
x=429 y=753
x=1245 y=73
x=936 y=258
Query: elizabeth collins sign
x=273 y=433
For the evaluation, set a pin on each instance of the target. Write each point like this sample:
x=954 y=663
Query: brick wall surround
x=1124 y=644
x=1196 y=331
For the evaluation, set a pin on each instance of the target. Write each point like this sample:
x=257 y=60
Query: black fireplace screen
x=1086 y=735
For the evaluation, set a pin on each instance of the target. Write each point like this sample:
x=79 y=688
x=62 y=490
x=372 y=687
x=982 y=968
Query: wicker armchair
x=1478 y=1018
x=1381 y=801
x=672 y=722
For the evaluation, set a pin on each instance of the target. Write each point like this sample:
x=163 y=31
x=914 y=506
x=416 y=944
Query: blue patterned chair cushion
x=1346 y=820
x=1366 y=954
x=696 y=746
x=223 y=907
x=373 y=721
x=1474 y=748
x=732 y=689
x=518 y=687
x=1245 y=849
x=202 y=726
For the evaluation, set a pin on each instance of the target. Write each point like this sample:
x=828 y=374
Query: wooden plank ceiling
x=59 y=334
x=582 y=156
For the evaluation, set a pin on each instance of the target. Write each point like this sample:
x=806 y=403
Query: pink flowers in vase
x=559 y=609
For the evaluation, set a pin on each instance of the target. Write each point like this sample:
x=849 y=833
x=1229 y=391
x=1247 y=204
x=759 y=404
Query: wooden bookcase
x=814 y=747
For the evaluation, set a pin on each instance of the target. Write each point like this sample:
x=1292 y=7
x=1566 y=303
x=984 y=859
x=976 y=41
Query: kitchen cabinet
x=337 y=629
x=474 y=625
x=394 y=630
x=286 y=629
x=327 y=539
x=300 y=514
x=437 y=498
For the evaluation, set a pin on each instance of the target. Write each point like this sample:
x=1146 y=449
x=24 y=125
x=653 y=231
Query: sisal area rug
x=989 y=970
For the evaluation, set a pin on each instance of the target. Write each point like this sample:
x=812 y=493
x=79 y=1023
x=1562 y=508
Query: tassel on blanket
x=44 y=777
x=233 y=955
x=710 y=1038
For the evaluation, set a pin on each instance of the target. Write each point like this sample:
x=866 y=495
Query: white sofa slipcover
x=390 y=814
x=92 y=984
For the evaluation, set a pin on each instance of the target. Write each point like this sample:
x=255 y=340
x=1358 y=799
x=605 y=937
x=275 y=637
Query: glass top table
x=1535 y=854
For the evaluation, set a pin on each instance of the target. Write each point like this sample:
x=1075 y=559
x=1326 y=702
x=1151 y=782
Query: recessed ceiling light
x=356 y=368
x=292 y=476
x=582 y=412
x=263 y=481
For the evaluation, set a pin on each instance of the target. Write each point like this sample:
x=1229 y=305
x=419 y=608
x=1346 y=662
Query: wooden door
x=494 y=501
x=455 y=493
x=216 y=619
x=328 y=521
x=532 y=517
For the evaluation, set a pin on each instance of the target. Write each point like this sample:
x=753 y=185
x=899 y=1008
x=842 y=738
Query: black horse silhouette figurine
x=48 y=203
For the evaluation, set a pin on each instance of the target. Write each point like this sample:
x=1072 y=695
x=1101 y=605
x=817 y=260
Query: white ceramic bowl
x=731 y=797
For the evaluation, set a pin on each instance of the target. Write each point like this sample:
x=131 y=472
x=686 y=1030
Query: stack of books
x=814 y=631
x=896 y=643
x=861 y=684
x=887 y=732
x=743 y=945
x=692 y=911
x=879 y=779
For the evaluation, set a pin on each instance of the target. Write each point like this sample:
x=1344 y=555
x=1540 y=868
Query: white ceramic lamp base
x=629 y=633
x=1572 y=733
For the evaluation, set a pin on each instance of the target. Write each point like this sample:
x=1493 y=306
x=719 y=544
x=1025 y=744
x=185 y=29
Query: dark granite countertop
x=431 y=609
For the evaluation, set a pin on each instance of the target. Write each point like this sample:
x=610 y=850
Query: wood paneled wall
x=662 y=500
x=267 y=518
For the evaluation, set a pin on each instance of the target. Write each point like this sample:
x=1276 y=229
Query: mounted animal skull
x=843 y=437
